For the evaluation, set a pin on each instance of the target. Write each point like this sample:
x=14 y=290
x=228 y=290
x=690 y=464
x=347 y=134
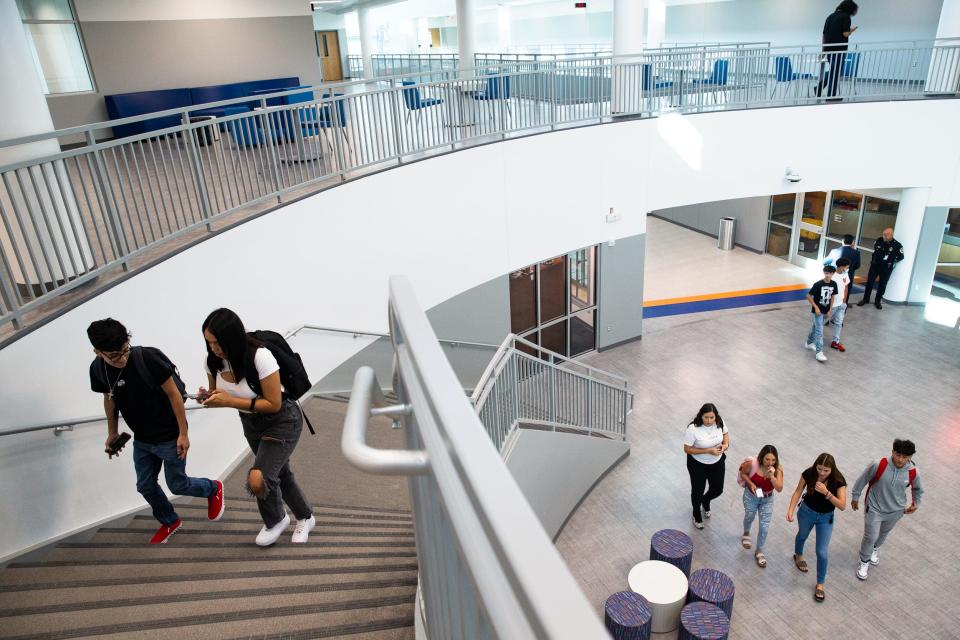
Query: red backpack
x=881 y=467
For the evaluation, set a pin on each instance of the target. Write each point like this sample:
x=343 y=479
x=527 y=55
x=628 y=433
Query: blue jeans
x=816 y=332
x=147 y=460
x=807 y=519
x=836 y=317
x=752 y=504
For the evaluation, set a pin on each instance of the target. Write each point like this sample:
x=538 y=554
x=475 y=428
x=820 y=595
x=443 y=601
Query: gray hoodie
x=889 y=494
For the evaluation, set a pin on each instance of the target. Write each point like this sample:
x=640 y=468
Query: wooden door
x=328 y=48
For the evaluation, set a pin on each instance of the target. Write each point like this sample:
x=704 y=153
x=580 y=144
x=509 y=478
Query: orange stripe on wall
x=725 y=294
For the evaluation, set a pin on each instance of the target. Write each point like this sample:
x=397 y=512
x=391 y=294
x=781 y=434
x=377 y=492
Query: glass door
x=780 y=224
x=808 y=241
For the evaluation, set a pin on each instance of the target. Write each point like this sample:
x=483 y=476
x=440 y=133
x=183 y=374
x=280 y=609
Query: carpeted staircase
x=355 y=578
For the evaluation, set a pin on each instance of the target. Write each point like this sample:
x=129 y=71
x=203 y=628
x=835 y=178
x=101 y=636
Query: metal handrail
x=60 y=426
x=71 y=216
x=487 y=567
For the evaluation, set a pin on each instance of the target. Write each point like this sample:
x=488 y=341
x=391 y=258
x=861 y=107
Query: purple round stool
x=703 y=621
x=715 y=587
x=627 y=616
x=675 y=547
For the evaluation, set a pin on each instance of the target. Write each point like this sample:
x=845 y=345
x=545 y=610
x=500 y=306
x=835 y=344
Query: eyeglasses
x=116 y=355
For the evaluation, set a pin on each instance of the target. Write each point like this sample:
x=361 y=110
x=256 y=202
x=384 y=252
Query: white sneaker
x=862 y=570
x=267 y=537
x=875 y=557
x=821 y=357
x=706 y=514
x=698 y=525
x=302 y=531
x=811 y=346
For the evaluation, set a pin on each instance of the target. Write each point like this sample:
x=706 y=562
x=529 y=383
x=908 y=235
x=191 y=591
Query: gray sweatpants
x=876 y=528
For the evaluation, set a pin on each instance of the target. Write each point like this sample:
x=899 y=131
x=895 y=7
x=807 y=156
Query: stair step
x=205 y=595
x=226 y=520
x=238 y=544
x=388 y=623
x=43 y=578
x=180 y=555
x=171 y=615
x=225 y=594
x=211 y=533
x=319 y=512
x=322 y=505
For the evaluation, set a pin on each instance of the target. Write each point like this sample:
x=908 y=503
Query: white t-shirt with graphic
x=704 y=437
x=843 y=281
x=265 y=363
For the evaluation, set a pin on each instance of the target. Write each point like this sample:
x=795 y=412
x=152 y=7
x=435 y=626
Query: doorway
x=328 y=49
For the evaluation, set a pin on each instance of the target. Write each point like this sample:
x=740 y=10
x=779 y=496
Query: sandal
x=761 y=559
x=745 y=541
x=818 y=594
x=801 y=563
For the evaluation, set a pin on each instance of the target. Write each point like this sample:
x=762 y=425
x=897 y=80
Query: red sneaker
x=164 y=532
x=215 y=503
x=837 y=346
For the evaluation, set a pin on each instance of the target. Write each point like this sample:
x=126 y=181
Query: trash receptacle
x=725 y=237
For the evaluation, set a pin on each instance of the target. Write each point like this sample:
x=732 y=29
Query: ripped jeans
x=272 y=438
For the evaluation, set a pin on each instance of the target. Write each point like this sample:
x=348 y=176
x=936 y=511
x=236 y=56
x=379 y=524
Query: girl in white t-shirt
x=704 y=442
x=271 y=422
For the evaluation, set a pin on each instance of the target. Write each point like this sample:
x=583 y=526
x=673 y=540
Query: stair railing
x=526 y=383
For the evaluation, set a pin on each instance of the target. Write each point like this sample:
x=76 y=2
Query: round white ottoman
x=665 y=588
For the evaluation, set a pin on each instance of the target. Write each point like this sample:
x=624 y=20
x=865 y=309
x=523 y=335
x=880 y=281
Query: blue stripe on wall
x=732 y=302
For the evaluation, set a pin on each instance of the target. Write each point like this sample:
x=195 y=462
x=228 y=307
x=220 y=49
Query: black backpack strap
x=136 y=355
x=309 y=425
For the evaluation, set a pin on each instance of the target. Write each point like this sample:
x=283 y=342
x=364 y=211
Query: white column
x=656 y=23
x=627 y=73
x=367 y=40
x=913 y=204
x=51 y=231
x=504 y=29
x=466 y=32
x=944 y=73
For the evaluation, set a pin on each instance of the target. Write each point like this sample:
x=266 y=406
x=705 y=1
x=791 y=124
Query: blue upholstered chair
x=497 y=91
x=851 y=67
x=652 y=84
x=414 y=103
x=246 y=132
x=717 y=79
x=783 y=72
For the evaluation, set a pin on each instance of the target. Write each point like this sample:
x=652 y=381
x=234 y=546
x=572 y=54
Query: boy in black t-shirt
x=821 y=296
x=138 y=383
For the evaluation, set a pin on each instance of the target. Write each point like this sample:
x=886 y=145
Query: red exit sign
x=579 y=5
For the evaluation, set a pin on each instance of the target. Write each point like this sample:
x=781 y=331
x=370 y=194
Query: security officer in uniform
x=887 y=252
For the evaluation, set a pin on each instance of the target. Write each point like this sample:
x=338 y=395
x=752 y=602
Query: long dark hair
x=824 y=459
x=769 y=448
x=227 y=327
x=708 y=408
x=848 y=6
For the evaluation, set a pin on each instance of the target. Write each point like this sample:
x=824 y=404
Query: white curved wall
x=449 y=223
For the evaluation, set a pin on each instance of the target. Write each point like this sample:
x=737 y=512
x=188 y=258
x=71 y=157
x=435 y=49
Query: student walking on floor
x=705 y=442
x=821 y=490
x=821 y=297
x=244 y=374
x=759 y=477
x=142 y=385
x=842 y=280
x=887 y=483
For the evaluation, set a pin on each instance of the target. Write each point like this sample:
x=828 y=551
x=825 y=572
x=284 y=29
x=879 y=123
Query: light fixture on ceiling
x=316 y=4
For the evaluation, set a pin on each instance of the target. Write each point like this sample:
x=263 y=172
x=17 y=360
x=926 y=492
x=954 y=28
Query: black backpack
x=293 y=375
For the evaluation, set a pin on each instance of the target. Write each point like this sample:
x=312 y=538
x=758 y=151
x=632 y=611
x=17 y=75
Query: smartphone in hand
x=117 y=444
x=199 y=397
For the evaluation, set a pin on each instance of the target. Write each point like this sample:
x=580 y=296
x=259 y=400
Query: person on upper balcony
x=836 y=33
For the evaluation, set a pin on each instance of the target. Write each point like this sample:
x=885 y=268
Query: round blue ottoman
x=703 y=621
x=715 y=587
x=675 y=547
x=627 y=615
